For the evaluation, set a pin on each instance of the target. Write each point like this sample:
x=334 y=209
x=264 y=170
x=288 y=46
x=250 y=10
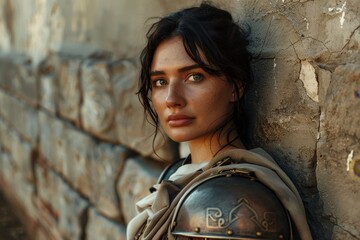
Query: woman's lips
x=179 y=120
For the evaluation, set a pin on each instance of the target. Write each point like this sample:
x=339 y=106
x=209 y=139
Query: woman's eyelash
x=196 y=77
x=158 y=82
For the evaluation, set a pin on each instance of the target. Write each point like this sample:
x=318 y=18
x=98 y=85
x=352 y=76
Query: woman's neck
x=205 y=149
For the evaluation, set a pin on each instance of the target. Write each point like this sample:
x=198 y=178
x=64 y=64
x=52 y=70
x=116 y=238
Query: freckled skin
x=204 y=98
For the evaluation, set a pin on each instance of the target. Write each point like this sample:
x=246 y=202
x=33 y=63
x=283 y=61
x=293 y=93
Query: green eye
x=196 y=77
x=159 y=82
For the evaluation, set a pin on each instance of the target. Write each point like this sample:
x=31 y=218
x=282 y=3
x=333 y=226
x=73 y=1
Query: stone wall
x=76 y=151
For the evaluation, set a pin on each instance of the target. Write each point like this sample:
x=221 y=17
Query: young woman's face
x=191 y=104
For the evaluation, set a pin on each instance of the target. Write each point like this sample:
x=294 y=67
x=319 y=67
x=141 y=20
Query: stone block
x=48 y=76
x=91 y=168
x=137 y=177
x=337 y=172
x=19 y=115
x=99 y=227
x=48 y=90
x=19 y=149
x=98 y=108
x=24 y=193
x=7 y=166
x=17 y=75
x=72 y=208
x=5 y=137
x=80 y=148
x=132 y=128
x=69 y=90
x=52 y=141
x=60 y=203
x=67 y=150
x=48 y=188
x=16 y=183
x=21 y=152
x=16 y=165
x=105 y=169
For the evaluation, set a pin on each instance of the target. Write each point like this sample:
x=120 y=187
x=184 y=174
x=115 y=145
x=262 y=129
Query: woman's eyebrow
x=190 y=67
x=182 y=69
x=156 y=73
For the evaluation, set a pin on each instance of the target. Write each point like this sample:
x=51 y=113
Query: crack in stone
x=315 y=39
x=265 y=39
x=351 y=35
x=347 y=231
x=297 y=56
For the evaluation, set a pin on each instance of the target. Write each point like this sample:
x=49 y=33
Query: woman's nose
x=175 y=97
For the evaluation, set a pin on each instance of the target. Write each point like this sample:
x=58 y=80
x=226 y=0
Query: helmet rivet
x=258 y=234
x=173 y=225
x=197 y=229
x=281 y=236
x=229 y=232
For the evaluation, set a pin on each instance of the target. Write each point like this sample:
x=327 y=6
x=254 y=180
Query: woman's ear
x=237 y=93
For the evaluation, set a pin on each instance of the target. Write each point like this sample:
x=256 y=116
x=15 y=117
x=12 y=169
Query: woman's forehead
x=171 y=53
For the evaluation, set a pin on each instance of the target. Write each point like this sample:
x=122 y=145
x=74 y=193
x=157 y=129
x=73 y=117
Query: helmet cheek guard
x=231 y=206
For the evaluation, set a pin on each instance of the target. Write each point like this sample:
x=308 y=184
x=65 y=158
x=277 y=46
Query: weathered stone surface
x=21 y=187
x=132 y=128
x=68 y=150
x=340 y=234
x=48 y=92
x=91 y=168
x=5 y=136
x=338 y=25
x=285 y=125
x=337 y=174
x=69 y=90
x=19 y=150
x=308 y=77
x=79 y=150
x=98 y=109
x=7 y=166
x=20 y=115
x=324 y=78
x=52 y=141
x=61 y=203
x=45 y=30
x=21 y=153
x=24 y=190
x=136 y=179
x=17 y=75
x=106 y=164
x=99 y=227
x=6 y=27
x=48 y=83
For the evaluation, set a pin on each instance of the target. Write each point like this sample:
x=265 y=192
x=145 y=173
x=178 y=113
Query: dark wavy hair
x=209 y=30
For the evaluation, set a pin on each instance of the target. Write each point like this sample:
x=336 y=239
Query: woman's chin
x=179 y=139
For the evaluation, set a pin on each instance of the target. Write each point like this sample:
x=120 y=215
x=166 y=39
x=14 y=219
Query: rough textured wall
x=75 y=150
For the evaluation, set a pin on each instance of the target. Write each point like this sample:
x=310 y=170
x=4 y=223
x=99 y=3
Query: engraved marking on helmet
x=215 y=219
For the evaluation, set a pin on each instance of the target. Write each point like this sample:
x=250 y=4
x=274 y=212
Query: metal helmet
x=231 y=206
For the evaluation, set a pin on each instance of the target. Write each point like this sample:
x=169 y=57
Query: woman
x=195 y=70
